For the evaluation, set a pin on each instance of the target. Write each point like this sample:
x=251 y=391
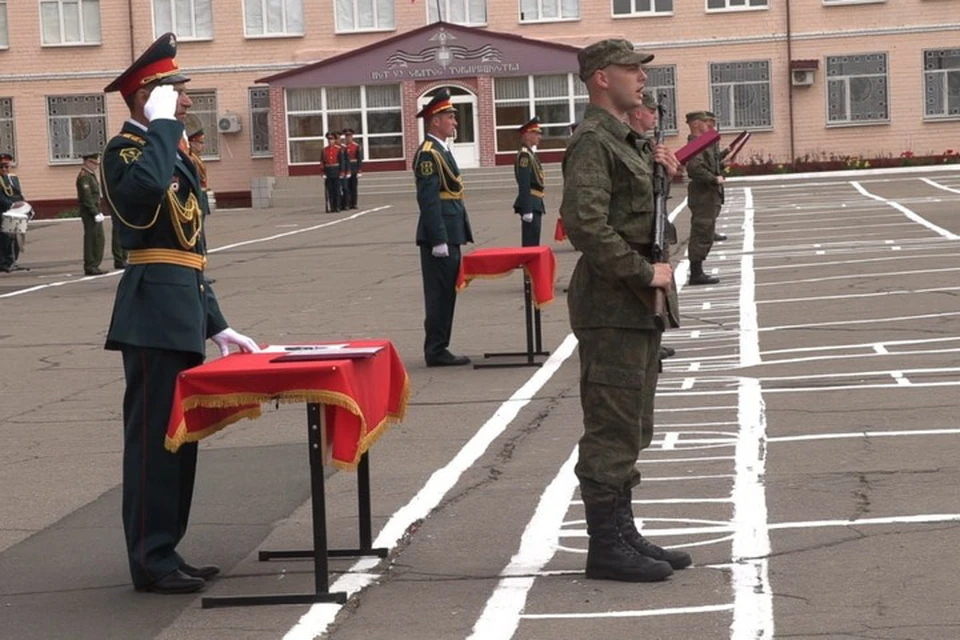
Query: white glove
x=441 y=251
x=228 y=336
x=162 y=103
x=98 y=217
x=527 y=217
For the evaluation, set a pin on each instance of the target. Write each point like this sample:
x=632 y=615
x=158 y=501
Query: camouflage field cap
x=650 y=99
x=700 y=115
x=607 y=52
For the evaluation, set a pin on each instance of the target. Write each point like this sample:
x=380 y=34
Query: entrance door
x=465 y=147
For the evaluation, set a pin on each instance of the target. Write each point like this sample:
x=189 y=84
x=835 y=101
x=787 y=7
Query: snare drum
x=23 y=207
x=14 y=223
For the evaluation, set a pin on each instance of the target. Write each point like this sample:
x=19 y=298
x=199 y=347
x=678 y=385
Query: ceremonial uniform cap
x=6 y=157
x=650 y=99
x=700 y=115
x=155 y=65
x=532 y=126
x=196 y=135
x=439 y=104
x=607 y=52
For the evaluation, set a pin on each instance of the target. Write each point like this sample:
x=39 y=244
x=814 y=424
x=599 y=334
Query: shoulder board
x=133 y=137
x=427 y=145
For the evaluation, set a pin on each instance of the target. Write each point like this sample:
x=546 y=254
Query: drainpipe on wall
x=133 y=51
x=790 y=82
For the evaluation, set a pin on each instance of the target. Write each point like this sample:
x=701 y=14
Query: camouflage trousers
x=618 y=380
x=703 y=224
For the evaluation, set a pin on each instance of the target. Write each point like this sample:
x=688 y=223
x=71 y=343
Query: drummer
x=10 y=194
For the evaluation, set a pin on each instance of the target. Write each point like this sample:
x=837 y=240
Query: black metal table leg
x=531 y=320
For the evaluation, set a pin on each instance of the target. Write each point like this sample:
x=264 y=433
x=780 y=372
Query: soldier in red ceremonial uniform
x=354 y=164
x=333 y=172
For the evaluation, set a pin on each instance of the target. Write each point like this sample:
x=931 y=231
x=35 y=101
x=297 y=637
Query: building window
x=8 y=132
x=941 y=83
x=465 y=12
x=741 y=94
x=857 y=89
x=203 y=114
x=663 y=81
x=373 y=112
x=69 y=21
x=273 y=17
x=189 y=19
x=364 y=15
x=735 y=5
x=76 y=125
x=558 y=100
x=260 y=122
x=4 y=37
x=635 y=8
x=549 y=10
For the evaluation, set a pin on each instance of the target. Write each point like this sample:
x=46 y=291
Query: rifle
x=660 y=221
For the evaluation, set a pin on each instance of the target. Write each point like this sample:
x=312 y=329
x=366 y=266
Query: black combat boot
x=697 y=276
x=609 y=557
x=628 y=531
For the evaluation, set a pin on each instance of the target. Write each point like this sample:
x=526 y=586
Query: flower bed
x=760 y=165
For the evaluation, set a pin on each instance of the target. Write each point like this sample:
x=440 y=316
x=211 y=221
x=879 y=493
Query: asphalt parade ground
x=805 y=450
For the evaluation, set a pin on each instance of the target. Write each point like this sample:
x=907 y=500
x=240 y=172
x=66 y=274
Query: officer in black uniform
x=530 y=184
x=354 y=152
x=10 y=194
x=443 y=226
x=163 y=313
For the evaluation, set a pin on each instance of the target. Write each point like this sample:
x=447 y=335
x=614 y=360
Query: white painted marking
x=719 y=476
x=688 y=383
x=694 y=366
x=897 y=248
x=710 y=608
x=888 y=242
x=867 y=321
x=879 y=348
x=907 y=212
x=705 y=306
x=670 y=440
x=864 y=434
x=940 y=186
x=821 y=253
x=900 y=378
x=320 y=616
x=695 y=334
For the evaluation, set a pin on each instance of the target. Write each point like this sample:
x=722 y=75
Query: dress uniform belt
x=167 y=256
x=535 y=192
x=445 y=195
x=645 y=250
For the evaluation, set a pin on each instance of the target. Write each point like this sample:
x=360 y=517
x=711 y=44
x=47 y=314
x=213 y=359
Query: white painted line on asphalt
x=688 y=383
x=694 y=366
x=910 y=213
x=718 y=476
x=673 y=460
x=940 y=186
x=814 y=389
x=880 y=349
x=670 y=440
x=864 y=434
x=875 y=276
x=900 y=378
x=853 y=296
x=710 y=608
x=320 y=616
x=838 y=323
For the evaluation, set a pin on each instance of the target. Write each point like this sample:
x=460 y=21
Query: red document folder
x=697 y=145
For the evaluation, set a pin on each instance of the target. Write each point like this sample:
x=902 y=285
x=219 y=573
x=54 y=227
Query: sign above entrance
x=435 y=52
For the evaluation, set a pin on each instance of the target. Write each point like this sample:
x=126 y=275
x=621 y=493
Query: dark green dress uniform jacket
x=443 y=216
x=703 y=192
x=88 y=194
x=530 y=183
x=161 y=306
x=10 y=192
x=607 y=211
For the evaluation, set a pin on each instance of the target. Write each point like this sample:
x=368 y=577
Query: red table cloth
x=539 y=263
x=362 y=397
x=559 y=233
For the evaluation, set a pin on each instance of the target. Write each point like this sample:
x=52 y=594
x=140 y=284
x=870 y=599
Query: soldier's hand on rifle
x=667 y=158
x=662 y=275
x=721 y=179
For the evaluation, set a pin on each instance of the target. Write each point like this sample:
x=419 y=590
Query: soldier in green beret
x=704 y=197
x=607 y=210
x=88 y=199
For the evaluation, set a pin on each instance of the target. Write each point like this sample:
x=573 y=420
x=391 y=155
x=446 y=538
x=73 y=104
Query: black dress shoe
x=119 y=265
x=719 y=237
x=447 y=359
x=176 y=582
x=204 y=571
x=93 y=272
x=667 y=352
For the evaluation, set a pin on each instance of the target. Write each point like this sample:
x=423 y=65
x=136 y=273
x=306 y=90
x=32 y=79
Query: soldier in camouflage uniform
x=88 y=198
x=704 y=197
x=607 y=209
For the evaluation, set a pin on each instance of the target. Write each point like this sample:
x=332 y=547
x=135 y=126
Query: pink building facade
x=269 y=77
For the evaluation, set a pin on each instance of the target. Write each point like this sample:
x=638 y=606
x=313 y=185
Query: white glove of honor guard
x=228 y=336
x=98 y=217
x=441 y=251
x=527 y=217
x=162 y=103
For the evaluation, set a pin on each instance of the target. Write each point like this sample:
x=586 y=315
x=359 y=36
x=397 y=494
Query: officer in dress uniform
x=354 y=164
x=704 y=197
x=88 y=200
x=163 y=313
x=530 y=184
x=442 y=227
x=333 y=171
x=10 y=194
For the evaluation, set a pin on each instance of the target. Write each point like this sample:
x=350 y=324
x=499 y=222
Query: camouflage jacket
x=703 y=169
x=607 y=211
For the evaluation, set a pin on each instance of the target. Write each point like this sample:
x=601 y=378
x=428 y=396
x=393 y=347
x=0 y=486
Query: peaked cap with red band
x=156 y=65
x=439 y=104
x=532 y=126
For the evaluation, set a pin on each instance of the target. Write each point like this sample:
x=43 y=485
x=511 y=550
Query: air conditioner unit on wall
x=801 y=77
x=228 y=123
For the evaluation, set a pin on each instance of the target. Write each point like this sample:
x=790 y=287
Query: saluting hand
x=162 y=103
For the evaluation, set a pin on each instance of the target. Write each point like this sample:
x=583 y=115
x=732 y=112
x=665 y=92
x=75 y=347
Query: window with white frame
x=260 y=122
x=465 y=12
x=189 y=19
x=642 y=7
x=558 y=100
x=365 y=15
x=8 y=131
x=4 y=36
x=373 y=112
x=273 y=17
x=740 y=93
x=70 y=21
x=76 y=125
x=941 y=83
x=549 y=10
x=857 y=89
x=663 y=81
x=734 y=5
x=204 y=110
